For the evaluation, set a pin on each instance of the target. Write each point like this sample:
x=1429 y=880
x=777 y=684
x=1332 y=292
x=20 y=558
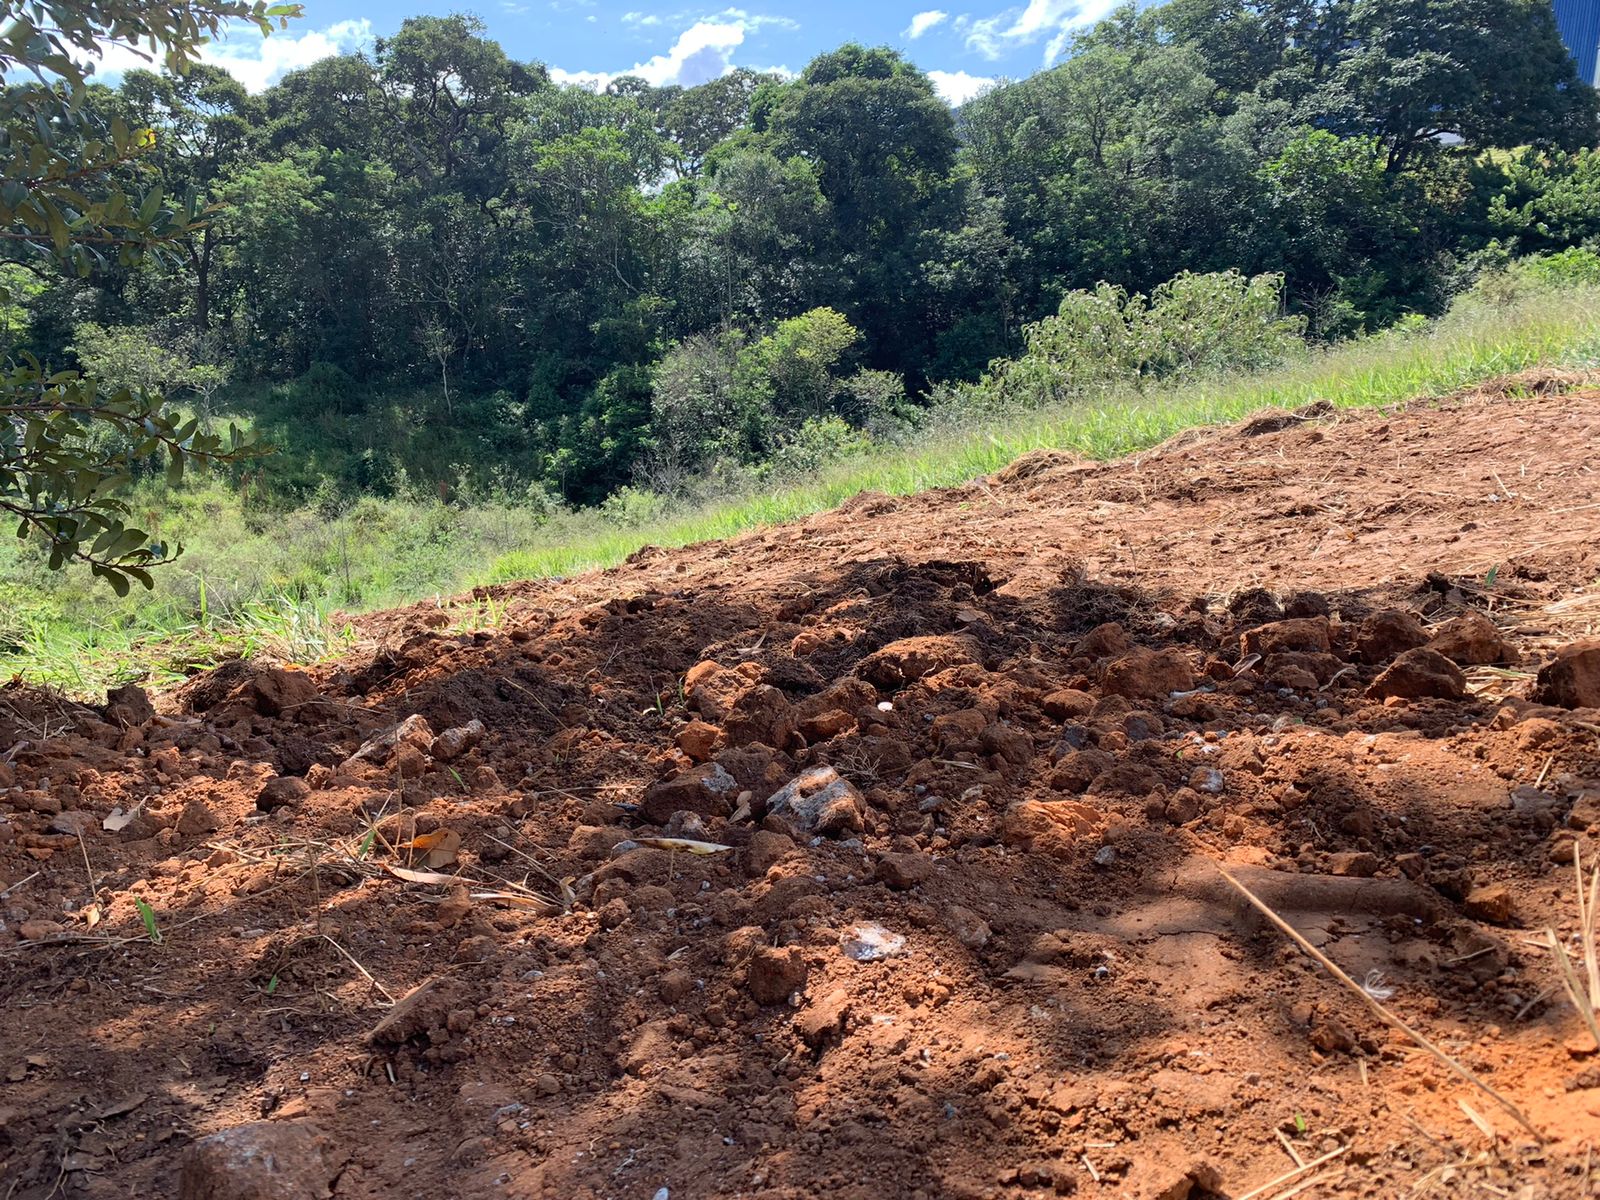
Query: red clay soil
x=972 y=760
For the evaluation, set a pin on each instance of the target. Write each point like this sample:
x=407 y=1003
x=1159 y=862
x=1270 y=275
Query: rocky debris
x=199 y=818
x=823 y=1021
x=1144 y=674
x=1050 y=827
x=1573 y=679
x=1254 y=606
x=1311 y=635
x=413 y=732
x=707 y=789
x=1358 y=864
x=1492 y=903
x=1194 y=1180
x=264 y=1160
x=908 y=660
x=1104 y=641
x=1420 y=674
x=73 y=822
x=1472 y=640
x=709 y=688
x=1068 y=704
x=129 y=706
x=686 y=824
x=774 y=974
x=971 y=930
x=640 y=999
x=765 y=851
x=281 y=791
x=698 y=739
x=277 y=691
x=904 y=871
x=1307 y=604
x=1389 y=632
x=819 y=801
x=827 y=724
x=760 y=714
x=453 y=743
x=1585 y=812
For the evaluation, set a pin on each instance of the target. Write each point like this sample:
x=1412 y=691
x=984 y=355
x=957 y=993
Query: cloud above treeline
x=255 y=61
x=705 y=50
x=1053 y=22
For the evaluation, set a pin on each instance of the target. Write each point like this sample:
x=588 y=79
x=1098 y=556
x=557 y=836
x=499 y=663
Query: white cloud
x=924 y=21
x=253 y=60
x=1055 y=20
x=955 y=88
x=755 y=21
x=639 y=18
x=702 y=52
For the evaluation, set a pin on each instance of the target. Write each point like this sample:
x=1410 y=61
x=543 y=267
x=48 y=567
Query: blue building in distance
x=1580 y=29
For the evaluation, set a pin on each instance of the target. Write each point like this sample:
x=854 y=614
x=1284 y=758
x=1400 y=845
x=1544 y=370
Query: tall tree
x=883 y=146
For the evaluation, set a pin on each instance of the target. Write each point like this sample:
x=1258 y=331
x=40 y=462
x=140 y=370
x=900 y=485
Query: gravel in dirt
x=872 y=855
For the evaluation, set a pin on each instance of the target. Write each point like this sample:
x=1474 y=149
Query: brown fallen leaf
x=440 y=847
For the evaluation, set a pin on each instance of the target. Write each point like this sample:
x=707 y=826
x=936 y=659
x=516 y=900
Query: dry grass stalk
x=368 y=974
x=1294 y=1155
x=1376 y=1006
x=1583 y=998
x=1477 y=1119
x=1309 y=1183
x=1288 y=1176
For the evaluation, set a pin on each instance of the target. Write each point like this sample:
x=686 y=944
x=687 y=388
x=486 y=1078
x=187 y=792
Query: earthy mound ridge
x=441 y=918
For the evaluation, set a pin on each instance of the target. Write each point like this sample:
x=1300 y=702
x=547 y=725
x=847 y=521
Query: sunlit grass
x=274 y=583
x=1473 y=345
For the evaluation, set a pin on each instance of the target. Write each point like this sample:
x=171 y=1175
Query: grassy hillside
x=253 y=580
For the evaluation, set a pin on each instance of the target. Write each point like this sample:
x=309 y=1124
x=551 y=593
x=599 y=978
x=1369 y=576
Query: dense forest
x=431 y=269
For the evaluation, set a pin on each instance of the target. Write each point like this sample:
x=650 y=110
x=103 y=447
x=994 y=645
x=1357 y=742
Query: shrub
x=630 y=505
x=817 y=443
x=1576 y=267
x=1190 y=326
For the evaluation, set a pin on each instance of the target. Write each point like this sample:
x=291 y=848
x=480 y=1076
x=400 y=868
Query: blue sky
x=962 y=46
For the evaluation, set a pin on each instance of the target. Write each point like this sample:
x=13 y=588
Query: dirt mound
x=869 y=855
x=1535 y=381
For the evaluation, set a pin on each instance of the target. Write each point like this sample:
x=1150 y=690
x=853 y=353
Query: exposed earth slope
x=973 y=757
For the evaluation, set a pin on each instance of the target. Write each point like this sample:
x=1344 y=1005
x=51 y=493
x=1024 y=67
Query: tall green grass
x=1476 y=342
x=253 y=582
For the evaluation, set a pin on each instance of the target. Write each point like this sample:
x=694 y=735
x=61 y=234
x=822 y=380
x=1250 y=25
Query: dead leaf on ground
x=439 y=847
x=687 y=845
x=410 y=876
